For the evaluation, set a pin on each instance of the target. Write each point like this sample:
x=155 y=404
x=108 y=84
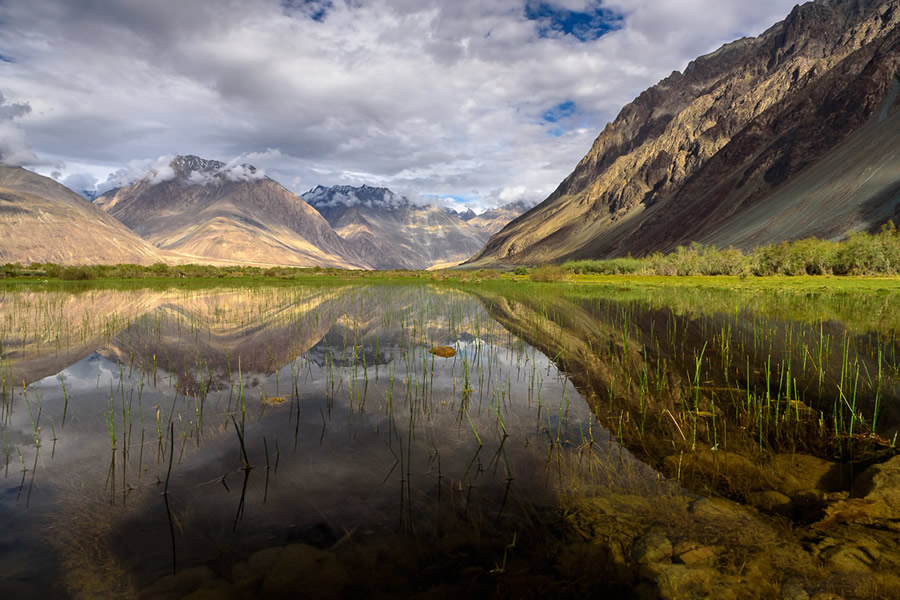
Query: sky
x=474 y=102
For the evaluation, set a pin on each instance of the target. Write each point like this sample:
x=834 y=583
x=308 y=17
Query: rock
x=302 y=567
x=260 y=562
x=680 y=581
x=880 y=484
x=770 y=501
x=716 y=509
x=179 y=585
x=651 y=547
x=13 y=566
x=700 y=556
x=443 y=351
x=797 y=474
x=725 y=472
x=217 y=589
x=793 y=590
x=18 y=590
x=876 y=496
x=861 y=555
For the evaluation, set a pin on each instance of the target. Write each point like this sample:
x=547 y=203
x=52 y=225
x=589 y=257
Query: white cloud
x=441 y=97
x=152 y=170
x=15 y=151
x=511 y=194
x=80 y=182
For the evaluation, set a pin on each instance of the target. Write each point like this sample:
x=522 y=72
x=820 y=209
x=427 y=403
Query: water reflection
x=155 y=430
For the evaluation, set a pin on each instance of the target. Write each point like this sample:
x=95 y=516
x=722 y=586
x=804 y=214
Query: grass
x=860 y=254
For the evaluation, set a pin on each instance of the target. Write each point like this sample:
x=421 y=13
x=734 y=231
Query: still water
x=500 y=439
x=148 y=431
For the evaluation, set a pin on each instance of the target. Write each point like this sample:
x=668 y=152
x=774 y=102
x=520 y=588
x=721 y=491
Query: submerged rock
x=793 y=590
x=698 y=556
x=652 y=547
x=302 y=567
x=443 y=351
x=17 y=589
x=180 y=585
x=680 y=581
x=770 y=501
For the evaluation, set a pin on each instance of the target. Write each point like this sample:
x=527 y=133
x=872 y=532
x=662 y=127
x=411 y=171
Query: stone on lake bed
x=443 y=351
x=701 y=555
x=651 y=547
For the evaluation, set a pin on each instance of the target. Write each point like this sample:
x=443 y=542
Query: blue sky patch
x=7 y=59
x=316 y=10
x=555 y=21
x=559 y=112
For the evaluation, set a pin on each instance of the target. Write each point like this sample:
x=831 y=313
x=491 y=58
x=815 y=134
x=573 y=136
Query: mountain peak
x=187 y=164
x=348 y=196
x=195 y=170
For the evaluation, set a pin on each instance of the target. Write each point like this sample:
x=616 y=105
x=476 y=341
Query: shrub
x=521 y=271
x=487 y=274
x=77 y=273
x=612 y=266
x=549 y=273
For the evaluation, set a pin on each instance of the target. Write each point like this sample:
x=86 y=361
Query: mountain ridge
x=660 y=141
x=394 y=233
x=44 y=221
x=221 y=211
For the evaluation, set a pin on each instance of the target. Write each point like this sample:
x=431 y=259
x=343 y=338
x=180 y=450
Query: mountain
x=394 y=233
x=495 y=219
x=44 y=221
x=468 y=215
x=211 y=210
x=791 y=134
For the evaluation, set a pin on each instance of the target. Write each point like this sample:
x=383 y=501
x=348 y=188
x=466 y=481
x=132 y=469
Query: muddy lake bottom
x=426 y=440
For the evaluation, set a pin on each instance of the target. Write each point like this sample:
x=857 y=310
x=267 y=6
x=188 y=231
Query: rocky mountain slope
x=43 y=221
x=213 y=211
x=791 y=134
x=495 y=219
x=393 y=233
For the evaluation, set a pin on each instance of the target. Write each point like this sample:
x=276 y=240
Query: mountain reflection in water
x=266 y=415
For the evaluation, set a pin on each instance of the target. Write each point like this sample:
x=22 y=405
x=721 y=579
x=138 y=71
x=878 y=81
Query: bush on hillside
x=549 y=273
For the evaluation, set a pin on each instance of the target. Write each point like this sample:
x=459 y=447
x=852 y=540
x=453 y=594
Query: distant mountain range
x=792 y=134
x=495 y=219
x=206 y=211
x=392 y=232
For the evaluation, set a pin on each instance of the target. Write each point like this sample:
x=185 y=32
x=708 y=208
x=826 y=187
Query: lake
x=250 y=441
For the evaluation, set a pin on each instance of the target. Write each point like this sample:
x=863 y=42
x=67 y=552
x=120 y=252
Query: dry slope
x=43 y=221
x=392 y=232
x=787 y=135
x=213 y=211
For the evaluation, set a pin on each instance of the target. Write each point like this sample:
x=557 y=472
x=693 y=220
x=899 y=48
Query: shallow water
x=123 y=445
x=153 y=431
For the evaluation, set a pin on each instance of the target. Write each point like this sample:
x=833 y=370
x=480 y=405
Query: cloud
x=244 y=167
x=12 y=110
x=14 y=149
x=151 y=170
x=440 y=97
x=81 y=183
x=508 y=195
